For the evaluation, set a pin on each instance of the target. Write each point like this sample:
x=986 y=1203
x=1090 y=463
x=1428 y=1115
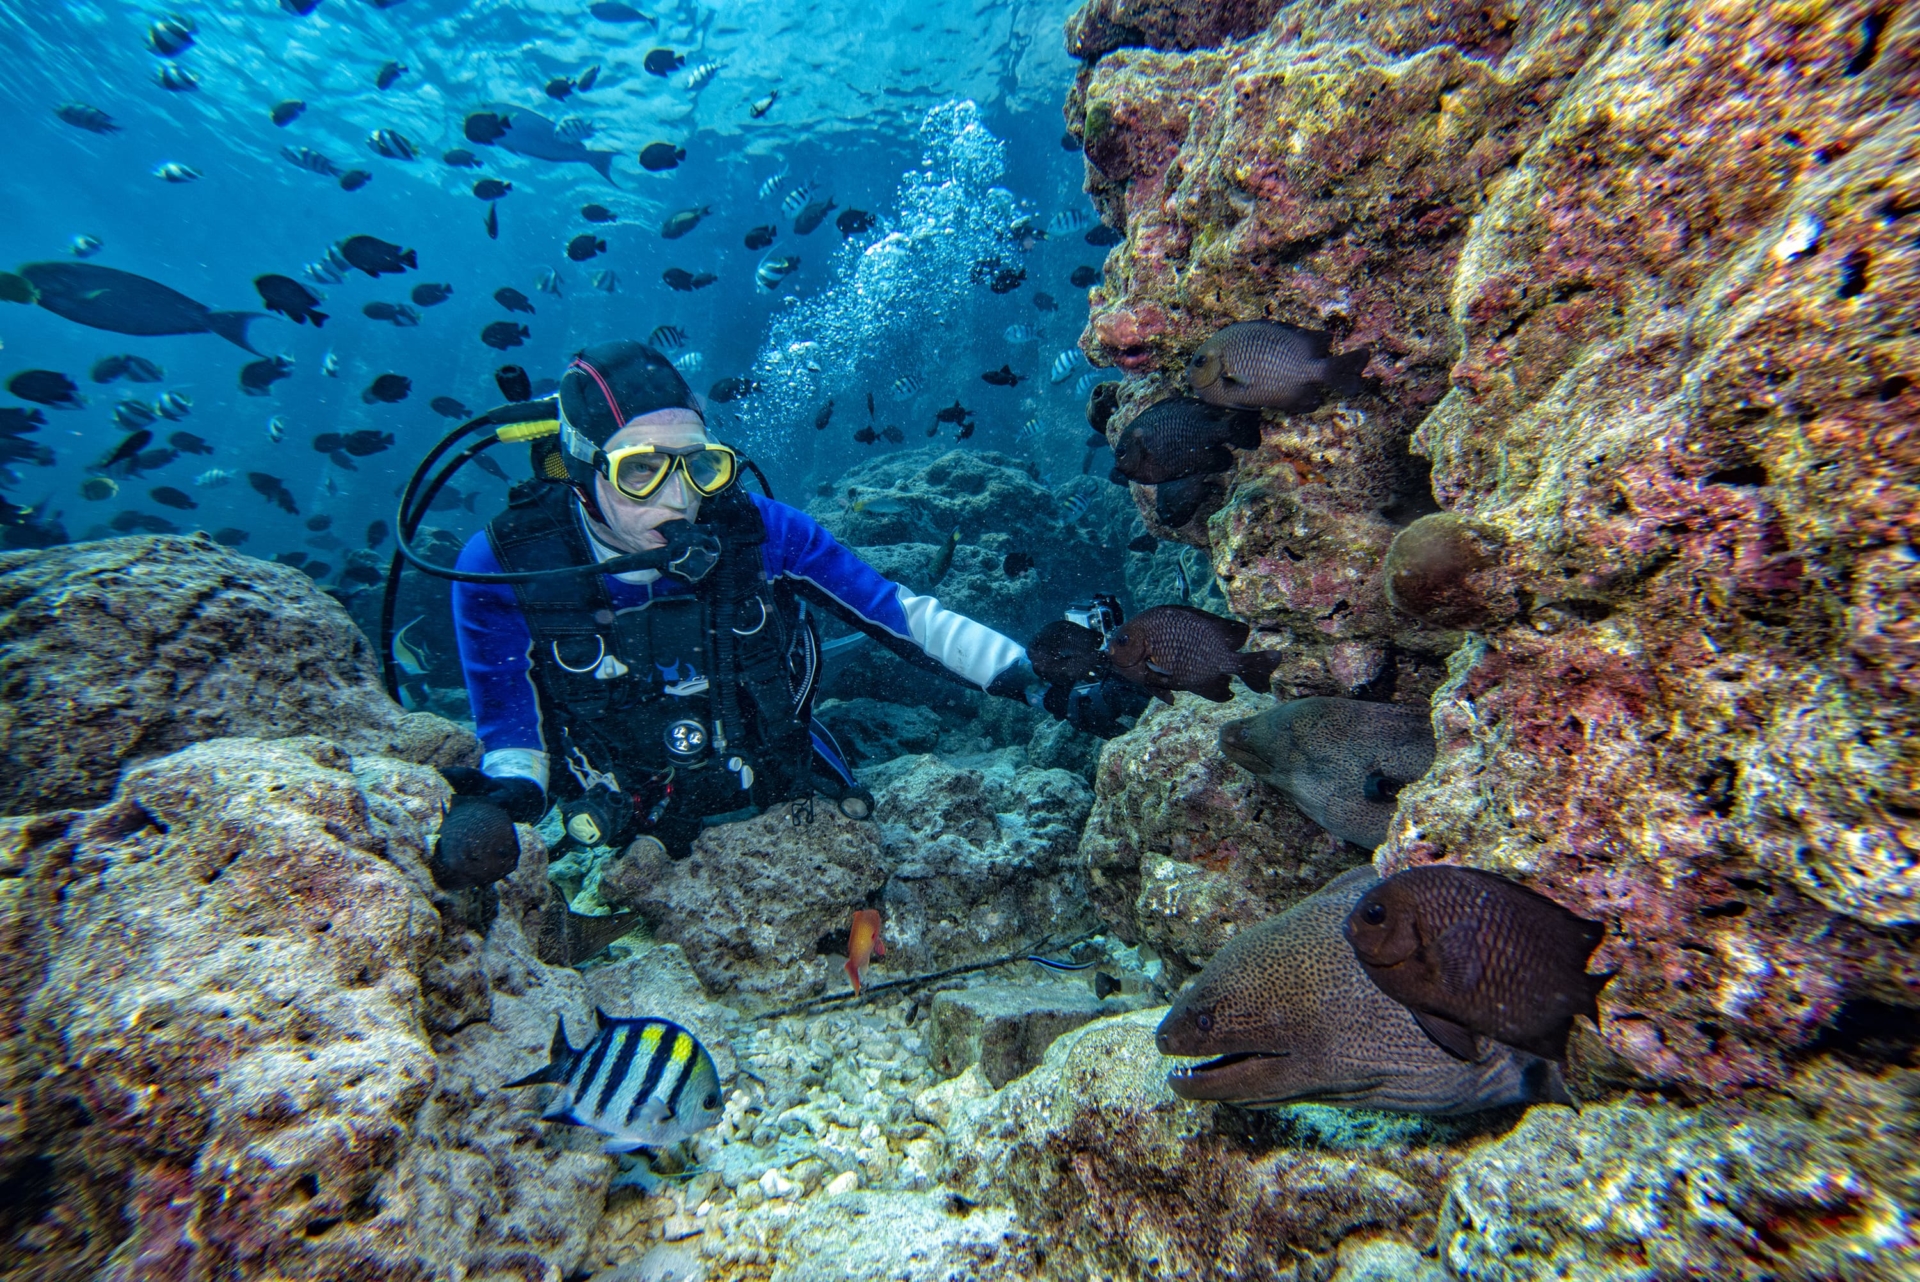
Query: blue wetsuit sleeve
x=799 y=548
x=495 y=656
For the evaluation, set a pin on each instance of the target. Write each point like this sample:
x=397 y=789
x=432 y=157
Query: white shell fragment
x=1802 y=236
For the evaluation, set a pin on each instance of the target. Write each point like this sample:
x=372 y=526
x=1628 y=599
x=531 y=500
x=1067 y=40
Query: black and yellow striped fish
x=644 y=1083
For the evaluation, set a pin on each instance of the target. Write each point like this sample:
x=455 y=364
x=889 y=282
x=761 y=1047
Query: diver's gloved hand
x=691 y=551
x=1103 y=709
x=477 y=845
x=523 y=800
x=1019 y=681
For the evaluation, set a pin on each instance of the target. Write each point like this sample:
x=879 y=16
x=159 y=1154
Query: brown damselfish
x=1176 y=647
x=1287 y=1014
x=1472 y=953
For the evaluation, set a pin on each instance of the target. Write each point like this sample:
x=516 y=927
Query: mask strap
x=619 y=419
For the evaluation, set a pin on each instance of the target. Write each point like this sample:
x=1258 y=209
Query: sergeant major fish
x=643 y=1083
x=1066 y=363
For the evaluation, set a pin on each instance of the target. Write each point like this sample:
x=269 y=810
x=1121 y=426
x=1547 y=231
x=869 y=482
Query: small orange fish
x=863 y=943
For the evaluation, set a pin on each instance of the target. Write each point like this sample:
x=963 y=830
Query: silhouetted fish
x=1181 y=437
x=501 y=335
x=390 y=388
x=683 y=222
x=1342 y=761
x=1288 y=1014
x=513 y=300
x=109 y=299
x=659 y=157
x=1471 y=953
x=375 y=256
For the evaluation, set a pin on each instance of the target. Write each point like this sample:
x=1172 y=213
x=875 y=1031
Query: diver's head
x=636 y=445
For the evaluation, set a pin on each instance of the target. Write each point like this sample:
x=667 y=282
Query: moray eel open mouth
x=1227 y=1079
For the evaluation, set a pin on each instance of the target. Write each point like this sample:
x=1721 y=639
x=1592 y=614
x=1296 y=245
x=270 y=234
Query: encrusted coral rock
x=1122 y=1179
x=1643 y=1190
x=1692 y=431
x=964 y=864
x=1634 y=280
x=1184 y=848
x=118 y=651
x=1106 y=25
x=225 y=1007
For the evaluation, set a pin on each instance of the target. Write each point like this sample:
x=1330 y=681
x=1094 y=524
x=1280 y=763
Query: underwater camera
x=1101 y=614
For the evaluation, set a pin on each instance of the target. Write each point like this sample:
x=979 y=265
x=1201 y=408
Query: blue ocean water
x=941 y=120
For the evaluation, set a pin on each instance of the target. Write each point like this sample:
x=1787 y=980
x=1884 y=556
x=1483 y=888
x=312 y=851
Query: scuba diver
x=655 y=701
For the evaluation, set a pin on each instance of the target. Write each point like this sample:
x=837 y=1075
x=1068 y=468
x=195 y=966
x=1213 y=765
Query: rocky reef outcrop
x=898 y=510
x=240 y=1035
x=1118 y=1176
x=1630 y=279
x=963 y=862
x=118 y=651
x=1183 y=848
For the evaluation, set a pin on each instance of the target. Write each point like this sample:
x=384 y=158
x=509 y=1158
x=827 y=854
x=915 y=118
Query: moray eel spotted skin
x=1289 y=1015
x=1343 y=761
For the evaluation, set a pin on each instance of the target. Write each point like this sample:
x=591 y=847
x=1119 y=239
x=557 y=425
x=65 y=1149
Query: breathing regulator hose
x=690 y=552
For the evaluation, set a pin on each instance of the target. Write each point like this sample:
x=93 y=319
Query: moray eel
x=1288 y=1015
x=1343 y=761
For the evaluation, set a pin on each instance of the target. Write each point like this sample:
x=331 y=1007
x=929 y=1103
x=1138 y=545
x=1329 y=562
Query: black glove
x=522 y=798
x=1017 y=681
x=1099 y=708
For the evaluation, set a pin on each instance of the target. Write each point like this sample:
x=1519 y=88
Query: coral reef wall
x=1637 y=282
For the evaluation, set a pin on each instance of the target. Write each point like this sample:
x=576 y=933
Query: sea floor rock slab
x=981 y=857
x=1118 y=1176
x=904 y=1237
x=1641 y=1190
x=127 y=649
x=1006 y=1026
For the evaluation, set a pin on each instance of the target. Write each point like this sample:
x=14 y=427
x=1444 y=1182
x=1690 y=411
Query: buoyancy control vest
x=695 y=705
